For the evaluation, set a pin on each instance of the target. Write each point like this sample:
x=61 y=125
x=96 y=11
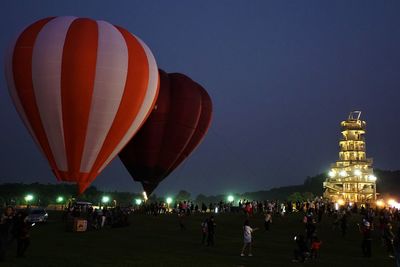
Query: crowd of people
x=96 y=218
x=374 y=221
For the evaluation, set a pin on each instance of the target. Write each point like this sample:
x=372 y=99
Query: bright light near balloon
x=145 y=196
x=231 y=198
x=28 y=198
x=372 y=178
x=138 y=201
x=380 y=203
x=169 y=200
x=216 y=210
x=357 y=172
x=105 y=199
x=340 y=202
x=332 y=173
x=343 y=173
x=60 y=199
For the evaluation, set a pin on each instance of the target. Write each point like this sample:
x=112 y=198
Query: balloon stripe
x=14 y=94
x=134 y=94
x=77 y=82
x=22 y=70
x=46 y=73
x=109 y=85
x=150 y=89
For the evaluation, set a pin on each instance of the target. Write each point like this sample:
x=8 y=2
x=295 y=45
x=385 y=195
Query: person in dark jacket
x=301 y=252
x=21 y=232
x=388 y=237
x=366 y=244
x=210 y=231
x=396 y=247
x=6 y=228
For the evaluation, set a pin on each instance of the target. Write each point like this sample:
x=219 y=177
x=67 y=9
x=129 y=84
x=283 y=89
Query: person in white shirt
x=247 y=237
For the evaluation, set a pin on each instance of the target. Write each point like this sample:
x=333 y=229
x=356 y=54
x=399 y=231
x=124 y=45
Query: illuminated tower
x=351 y=178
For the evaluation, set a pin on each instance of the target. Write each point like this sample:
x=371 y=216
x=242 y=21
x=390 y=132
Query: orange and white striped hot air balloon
x=83 y=88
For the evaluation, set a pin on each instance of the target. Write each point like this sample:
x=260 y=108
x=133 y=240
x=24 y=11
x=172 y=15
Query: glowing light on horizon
x=28 y=198
x=105 y=199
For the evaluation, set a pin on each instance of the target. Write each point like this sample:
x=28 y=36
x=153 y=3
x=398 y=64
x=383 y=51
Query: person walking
x=247 y=238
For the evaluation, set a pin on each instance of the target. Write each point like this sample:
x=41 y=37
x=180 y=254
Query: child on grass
x=247 y=236
x=315 y=246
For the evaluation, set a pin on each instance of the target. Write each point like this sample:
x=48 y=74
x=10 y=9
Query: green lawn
x=158 y=241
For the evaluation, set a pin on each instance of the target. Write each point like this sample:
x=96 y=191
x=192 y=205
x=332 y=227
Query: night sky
x=282 y=75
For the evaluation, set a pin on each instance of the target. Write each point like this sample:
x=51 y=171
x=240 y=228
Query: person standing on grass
x=210 y=231
x=315 y=247
x=181 y=215
x=21 y=232
x=247 y=237
x=204 y=231
x=367 y=238
x=301 y=252
x=388 y=237
x=396 y=247
x=6 y=228
x=267 y=220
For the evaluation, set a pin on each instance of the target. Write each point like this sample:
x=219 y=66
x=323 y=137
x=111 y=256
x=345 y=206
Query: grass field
x=158 y=241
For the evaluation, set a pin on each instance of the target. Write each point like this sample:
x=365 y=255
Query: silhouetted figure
x=367 y=239
x=267 y=220
x=315 y=247
x=204 y=231
x=388 y=237
x=301 y=252
x=22 y=233
x=6 y=228
x=210 y=231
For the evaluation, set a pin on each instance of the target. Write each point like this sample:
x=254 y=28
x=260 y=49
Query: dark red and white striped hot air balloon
x=83 y=88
